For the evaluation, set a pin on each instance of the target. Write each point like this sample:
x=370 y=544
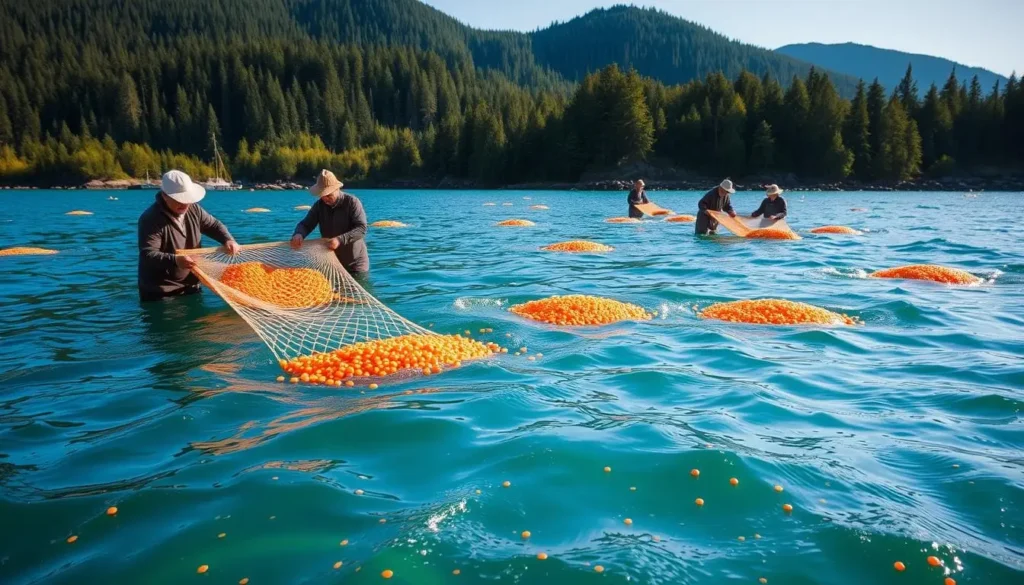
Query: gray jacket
x=159 y=237
x=346 y=221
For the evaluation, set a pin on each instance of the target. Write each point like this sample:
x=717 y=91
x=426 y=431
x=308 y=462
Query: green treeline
x=280 y=104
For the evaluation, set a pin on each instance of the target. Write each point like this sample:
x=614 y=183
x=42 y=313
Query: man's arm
x=309 y=222
x=727 y=206
x=643 y=197
x=703 y=203
x=212 y=227
x=357 y=217
x=785 y=210
x=760 y=210
x=150 y=239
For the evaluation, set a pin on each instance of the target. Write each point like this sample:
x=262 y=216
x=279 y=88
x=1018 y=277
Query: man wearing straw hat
x=717 y=199
x=174 y=222
x=341 y=218
x=773 y=206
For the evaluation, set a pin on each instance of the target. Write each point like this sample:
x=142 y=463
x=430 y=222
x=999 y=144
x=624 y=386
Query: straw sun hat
x=773 y=190
x=326 y=184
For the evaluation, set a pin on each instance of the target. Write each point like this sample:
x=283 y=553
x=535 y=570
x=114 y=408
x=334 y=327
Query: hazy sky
x=982 y=33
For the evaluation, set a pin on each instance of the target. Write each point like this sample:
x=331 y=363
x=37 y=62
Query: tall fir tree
x=876 y=113
x=857 y=134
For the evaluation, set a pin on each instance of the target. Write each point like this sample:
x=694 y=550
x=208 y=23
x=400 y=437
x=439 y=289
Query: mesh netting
x=300 y=302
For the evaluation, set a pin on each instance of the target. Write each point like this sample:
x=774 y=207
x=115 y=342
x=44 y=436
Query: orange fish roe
x=681 y=219
x=78 y=212
x=577 y=246
x=772 y=234
x=934 y=561
x=112 y=511
x=257 y=210
x=387 y=573
x=516 y=223
x=384 y=357
x=774 y=312
x=72 y=539
x=284 y=287
x=302 y=207
x=579 y=310
x=539 y=207
x=542 y=556
x=835 y=229
x=950 y=581
x=25 y=251
x=899 y=566
x=202 y=569
x=942 y=274
x=388 y=223
x=622 y=220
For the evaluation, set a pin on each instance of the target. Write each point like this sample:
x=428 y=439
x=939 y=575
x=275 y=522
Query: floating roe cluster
x=285 y=287
x=774 y=312
x=772 y=234
x=257 y=210
x=577 y=246
x=579 y=310
x=516 y=223
x=681 y=219
x=78 y=212
x=942 y=274
x=622 y=220
x=835 y=229
x=26 y=251
x=388 y=223
x=539 y=207
x=384 y=357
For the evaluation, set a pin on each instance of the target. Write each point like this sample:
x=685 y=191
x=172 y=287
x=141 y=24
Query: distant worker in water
x=175 y=222
x=637 y=196
x=341 y=218
x=773 y=206
x=717 y=199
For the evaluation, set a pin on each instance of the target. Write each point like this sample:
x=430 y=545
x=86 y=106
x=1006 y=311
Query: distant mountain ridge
x=888 y=65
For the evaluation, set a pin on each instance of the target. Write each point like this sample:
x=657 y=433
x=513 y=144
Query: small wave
x=463 y=303
x=857 y=273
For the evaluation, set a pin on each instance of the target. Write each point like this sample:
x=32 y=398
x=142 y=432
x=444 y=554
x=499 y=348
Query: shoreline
x=973 y=184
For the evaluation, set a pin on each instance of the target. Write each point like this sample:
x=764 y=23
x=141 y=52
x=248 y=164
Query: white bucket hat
x=179 y=186
x=726 y=185
x=773 y=190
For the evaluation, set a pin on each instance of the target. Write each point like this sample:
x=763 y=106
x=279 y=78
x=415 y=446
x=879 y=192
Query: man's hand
x=774 y=218
x=732 y=214
x=296 y=242
x=333 y=243
x=185 y=262
x=232 y=247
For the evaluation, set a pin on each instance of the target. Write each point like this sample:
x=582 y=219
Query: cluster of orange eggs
x=835 y=229
x=579 y=310
x=942 y=274
x=387 y=223
x=78 y=212
x=25 y=251
x=384 y=357
x=772 y=234
x=516 y=223
x=622 y=220
x=539 y=207
x=285 y=287
x=577 y=246
x=681 y=219
x=774 y=312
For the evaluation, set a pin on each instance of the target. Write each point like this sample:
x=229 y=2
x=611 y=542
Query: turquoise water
x=895 y=440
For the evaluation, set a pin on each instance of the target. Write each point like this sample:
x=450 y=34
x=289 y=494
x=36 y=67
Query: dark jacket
x=636 y=198
x=715 y=202
x=769 y=208
x=160 y=236
x=346 y=221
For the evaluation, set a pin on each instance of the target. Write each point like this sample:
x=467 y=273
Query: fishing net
x=321 y=325
x=756 y=227
x=387 y=223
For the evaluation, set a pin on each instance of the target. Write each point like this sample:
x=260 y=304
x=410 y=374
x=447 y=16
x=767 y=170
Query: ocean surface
x=895 y=440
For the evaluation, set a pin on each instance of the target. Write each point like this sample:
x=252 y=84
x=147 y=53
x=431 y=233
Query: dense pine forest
x=393 y=89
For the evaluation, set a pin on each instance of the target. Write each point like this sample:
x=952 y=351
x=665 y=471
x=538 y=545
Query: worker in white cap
x=175 y=221
x=717 y=199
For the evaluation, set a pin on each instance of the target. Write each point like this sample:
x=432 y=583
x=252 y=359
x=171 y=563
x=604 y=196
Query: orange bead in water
x=456 y=572
x=344 y=542
x=934 y=561
x=695 y=472
x=899 y=566
x=337 y=565
x=72 y=539
x=387 y=573
x=202 y=569
x=506 y=484
x=762 y=580
x=373 y=386
x=699 y=501
x=359 y=492
x=598 y=569
x=280 y=378
x=525 y=534
x=628 y=521
x=243 y=581
x=778 y=488
x=112 y=511
x=950 y=581
x=542 y=556
x=607 y=469
x=787 y=508
x=733 y=481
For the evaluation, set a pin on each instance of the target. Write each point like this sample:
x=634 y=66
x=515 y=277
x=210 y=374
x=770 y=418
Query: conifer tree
x=857 y=134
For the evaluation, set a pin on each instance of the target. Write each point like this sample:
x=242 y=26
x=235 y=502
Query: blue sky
x=981 y=33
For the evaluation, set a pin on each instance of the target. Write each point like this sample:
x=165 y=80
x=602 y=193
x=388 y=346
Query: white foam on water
x=463 y=303
x=858 y=273
x=434 y=522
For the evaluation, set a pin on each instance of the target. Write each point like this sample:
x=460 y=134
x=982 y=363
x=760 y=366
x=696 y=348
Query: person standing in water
x=341 y=218
x=717 y=199
x=175 y=221
x=637 y=196
x=773 y=206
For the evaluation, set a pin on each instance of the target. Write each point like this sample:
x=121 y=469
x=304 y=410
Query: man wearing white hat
x=717 y=199
x=773 y=206
x=341 y=219
x=175 y=222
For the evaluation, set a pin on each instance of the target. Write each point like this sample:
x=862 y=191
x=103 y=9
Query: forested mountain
x=385 y=89
x=867 y=62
